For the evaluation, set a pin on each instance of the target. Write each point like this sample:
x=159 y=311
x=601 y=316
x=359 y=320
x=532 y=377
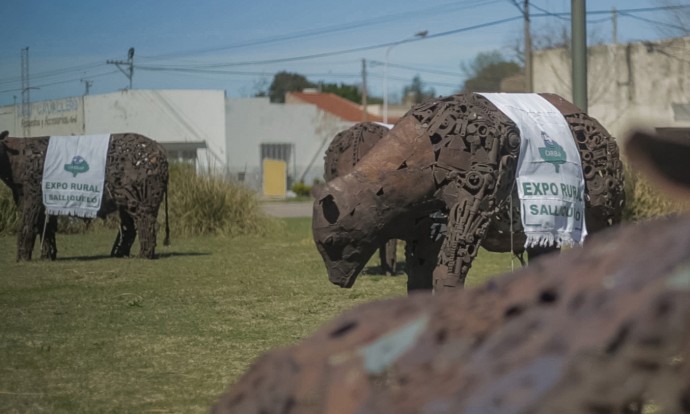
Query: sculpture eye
x=330 y=209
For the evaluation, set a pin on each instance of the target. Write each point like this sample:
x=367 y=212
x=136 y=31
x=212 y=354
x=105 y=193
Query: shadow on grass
x=158 y=256
x=400 y=270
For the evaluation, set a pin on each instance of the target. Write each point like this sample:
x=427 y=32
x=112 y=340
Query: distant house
x=337 y=106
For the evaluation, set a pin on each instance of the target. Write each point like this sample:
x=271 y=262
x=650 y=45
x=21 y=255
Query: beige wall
x=629 y=85
x=166 y=116
x=251 y=122
x=195 y=116
x=57 y=117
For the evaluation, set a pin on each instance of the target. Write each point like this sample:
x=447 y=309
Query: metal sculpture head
x=345 y=238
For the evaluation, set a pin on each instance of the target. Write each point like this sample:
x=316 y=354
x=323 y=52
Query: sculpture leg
x=466 y=228
x=479 y=193
x=387 y=253
x=421 y=252
x=125 y=237
x=146 y=228
x=26 y=236
x=49 y=246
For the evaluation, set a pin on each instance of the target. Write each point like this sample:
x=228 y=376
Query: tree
x=349 y=92
x=416 y=91
x=284 y=82
x=487 y=70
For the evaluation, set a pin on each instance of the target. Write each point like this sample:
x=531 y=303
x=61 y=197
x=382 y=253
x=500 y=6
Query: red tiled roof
x=334 y=104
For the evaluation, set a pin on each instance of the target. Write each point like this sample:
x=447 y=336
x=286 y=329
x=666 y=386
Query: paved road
x=288 y=208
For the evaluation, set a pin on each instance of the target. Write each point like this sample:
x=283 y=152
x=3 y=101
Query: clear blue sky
x=238 y=46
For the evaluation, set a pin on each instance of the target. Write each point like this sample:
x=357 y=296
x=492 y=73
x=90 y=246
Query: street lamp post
x=422 y=34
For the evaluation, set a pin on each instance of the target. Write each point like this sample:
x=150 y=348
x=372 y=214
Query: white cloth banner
x=551 y=186
x=73 y=174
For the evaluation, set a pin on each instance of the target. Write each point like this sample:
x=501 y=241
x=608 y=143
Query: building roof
x=333 y=104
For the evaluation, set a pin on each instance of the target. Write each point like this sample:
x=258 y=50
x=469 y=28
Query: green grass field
x=91 y=334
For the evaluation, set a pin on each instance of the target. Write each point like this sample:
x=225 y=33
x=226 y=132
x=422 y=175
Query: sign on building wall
x=274 y=178
x=57 y=117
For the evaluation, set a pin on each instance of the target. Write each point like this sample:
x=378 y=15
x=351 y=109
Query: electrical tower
x=26 y=98
x=129 y=63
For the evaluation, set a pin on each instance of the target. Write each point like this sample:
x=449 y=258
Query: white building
x=226 y=136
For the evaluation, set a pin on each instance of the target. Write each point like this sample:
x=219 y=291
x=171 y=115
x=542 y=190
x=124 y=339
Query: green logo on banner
x=77 y=166
x=551 y=152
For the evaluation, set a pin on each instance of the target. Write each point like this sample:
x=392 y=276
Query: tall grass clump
x=9 y=216
x=644 y=200
x=210 y=205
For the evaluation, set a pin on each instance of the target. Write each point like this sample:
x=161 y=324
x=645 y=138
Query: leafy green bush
x=301 y=190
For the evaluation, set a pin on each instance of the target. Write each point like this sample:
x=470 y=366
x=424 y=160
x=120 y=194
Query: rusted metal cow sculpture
x=457 y=154
x=600 y=329
x=342 y=154
x=136 y=182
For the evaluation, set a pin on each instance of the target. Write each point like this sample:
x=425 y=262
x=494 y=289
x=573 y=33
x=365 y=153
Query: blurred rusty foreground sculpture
x=601 y=329
x=136 y=182
x=456 y=154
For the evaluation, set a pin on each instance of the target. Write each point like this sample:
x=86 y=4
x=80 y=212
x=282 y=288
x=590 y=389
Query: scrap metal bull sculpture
x=342 y=154
x=600 y=329
x=136 y=182
x=456 y=154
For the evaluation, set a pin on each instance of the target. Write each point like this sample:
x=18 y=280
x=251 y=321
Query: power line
x=430 y=36
x=654 y=22
x=213 y=68
x=443 y=8
x=46 y=85
x=55 y=72
x=417 y=69
x=352 y=50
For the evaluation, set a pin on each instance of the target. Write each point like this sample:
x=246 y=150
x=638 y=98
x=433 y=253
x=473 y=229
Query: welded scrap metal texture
x=600 y=329
x=472 y=166
x=461 y=122
x=349 y=146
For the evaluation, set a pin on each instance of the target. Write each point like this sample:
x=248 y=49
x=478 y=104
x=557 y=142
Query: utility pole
x=614 y=18
x=365 y=112
x=87 y=86
x=529 y=78
x=129 y=63
x=579 y=53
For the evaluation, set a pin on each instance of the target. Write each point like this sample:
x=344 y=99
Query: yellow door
x=274 y=178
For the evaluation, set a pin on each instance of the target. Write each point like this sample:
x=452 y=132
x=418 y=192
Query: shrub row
x=198 y=205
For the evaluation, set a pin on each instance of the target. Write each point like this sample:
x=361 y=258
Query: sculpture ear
x=4 y=134
x=664 y=158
